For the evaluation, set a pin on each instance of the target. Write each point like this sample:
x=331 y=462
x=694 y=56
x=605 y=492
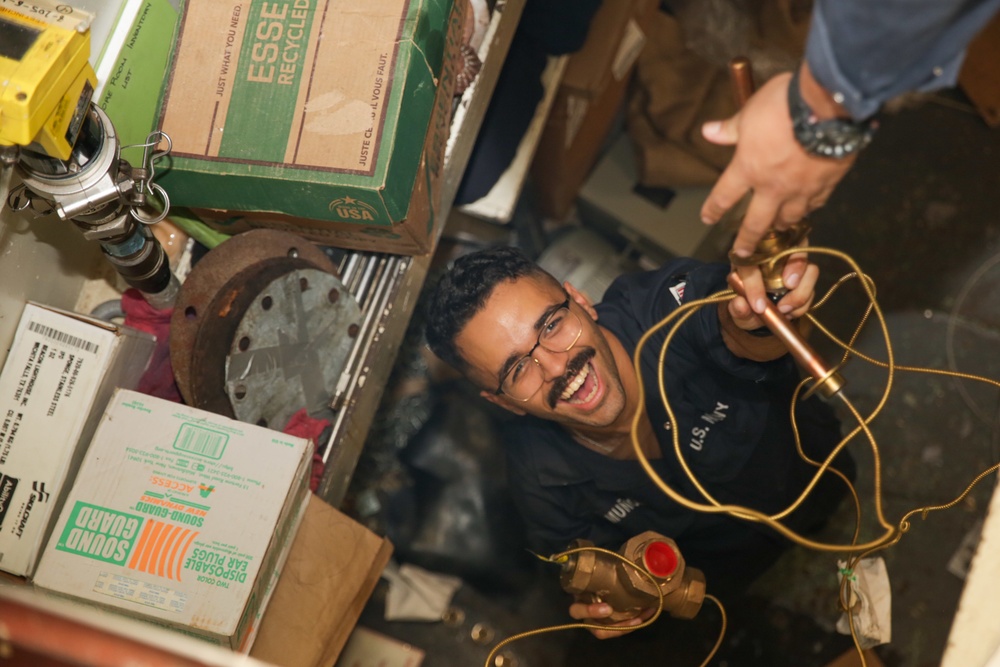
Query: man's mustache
x=572 y=368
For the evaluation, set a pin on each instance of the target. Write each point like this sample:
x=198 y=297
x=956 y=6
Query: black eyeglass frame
x=538 y=342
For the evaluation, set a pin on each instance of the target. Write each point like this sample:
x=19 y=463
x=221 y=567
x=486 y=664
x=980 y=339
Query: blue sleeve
x=870 y=51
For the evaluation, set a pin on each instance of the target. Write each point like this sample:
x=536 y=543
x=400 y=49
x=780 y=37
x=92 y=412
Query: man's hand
x=799 y=277
x=787 y=182
x=597 y=612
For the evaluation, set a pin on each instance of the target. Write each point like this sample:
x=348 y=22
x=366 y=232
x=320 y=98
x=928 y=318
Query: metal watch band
x=835 y=138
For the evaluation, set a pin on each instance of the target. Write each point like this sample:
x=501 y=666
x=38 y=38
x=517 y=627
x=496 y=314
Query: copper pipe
x=827 y=380
x=741 y=77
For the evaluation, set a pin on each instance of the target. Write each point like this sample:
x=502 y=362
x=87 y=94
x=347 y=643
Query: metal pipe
x=741 y=77
x=827 y=380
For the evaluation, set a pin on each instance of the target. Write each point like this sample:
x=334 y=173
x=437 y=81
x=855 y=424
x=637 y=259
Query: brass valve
x=593 y=576
x=774 y=242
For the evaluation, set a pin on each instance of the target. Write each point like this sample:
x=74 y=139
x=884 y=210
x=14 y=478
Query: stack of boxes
x=166 y=513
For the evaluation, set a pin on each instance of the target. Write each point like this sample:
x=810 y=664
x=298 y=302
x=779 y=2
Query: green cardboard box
x=131 y=57
x=288 y=110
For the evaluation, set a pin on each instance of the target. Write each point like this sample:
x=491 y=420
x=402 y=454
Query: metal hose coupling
x=594 y=577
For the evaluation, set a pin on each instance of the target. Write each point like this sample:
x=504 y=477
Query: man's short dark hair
x=463 y=291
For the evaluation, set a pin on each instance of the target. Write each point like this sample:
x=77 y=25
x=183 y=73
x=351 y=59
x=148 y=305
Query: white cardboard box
x=60 y=371
x=180 y=517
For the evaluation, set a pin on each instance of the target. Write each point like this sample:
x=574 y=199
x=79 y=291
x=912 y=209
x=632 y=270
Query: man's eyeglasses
x=559 y=334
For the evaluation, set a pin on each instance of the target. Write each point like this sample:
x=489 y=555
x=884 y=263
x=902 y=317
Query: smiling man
x=543 y=351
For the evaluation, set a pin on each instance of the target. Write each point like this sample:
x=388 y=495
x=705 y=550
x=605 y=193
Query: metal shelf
x=387 y=286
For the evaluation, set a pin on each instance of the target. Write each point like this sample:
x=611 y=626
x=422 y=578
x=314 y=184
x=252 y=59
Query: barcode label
x=197 y=440
x=63 y=337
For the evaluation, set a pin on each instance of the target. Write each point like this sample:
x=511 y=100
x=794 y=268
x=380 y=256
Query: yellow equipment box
x=46 y=81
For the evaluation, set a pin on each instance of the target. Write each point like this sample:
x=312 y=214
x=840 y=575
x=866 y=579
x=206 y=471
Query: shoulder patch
x=678 y=291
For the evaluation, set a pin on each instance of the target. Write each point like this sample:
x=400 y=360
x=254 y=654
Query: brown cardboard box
x=329 y=163
x=979 y=77
x=414 y=235
x=332 y=568
x=588 y=98
x=331 y=571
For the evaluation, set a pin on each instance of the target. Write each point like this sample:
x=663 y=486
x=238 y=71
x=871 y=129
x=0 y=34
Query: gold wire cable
x=681 y=318
x=904 y=527
x=893 y=534
x=562 y=555
x=681 y=314
x=722 y=630
x=847 y=347
x=807 y=459
x=559 y=557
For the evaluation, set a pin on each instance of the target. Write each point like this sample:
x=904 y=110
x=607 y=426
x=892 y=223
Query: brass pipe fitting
x=593 y=577
x=773 y=243
x=826 y=379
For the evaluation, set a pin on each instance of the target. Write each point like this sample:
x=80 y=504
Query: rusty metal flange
x=211 y=302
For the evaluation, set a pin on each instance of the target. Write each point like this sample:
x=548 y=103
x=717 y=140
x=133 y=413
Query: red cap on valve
x=660 y=559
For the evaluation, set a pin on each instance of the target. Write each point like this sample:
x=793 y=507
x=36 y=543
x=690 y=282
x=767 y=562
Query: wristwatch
x=834 y=138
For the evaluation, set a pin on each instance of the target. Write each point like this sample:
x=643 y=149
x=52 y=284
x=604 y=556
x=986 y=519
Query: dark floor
x=918 y=213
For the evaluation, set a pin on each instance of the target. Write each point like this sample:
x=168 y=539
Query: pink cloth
x=159 y=377
x=303 y=426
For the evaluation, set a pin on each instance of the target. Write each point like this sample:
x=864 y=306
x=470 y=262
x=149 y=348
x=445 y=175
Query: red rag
x=158 y=379
x=303 y=426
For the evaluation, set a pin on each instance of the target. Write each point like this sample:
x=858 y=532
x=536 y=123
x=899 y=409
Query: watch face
x=835 y=138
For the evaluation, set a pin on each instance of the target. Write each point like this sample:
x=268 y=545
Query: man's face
x=581 y=386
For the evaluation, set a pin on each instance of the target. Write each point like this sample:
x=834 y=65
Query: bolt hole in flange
x=191 y=313
x=297 y=350
x=266 y=303
x=240 y=392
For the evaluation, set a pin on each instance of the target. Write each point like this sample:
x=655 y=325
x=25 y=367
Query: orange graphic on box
x=161 y=549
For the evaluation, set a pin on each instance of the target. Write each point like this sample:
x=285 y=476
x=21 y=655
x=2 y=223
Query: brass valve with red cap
x=593 y=576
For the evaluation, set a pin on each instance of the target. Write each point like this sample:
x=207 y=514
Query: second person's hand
x=787 y=182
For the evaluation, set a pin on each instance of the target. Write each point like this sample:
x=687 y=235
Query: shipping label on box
x=181 y=517
x=305 y=110
x=61 y=369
